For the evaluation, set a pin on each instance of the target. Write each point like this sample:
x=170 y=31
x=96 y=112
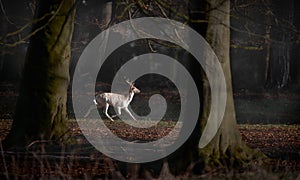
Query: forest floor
x=281 y=143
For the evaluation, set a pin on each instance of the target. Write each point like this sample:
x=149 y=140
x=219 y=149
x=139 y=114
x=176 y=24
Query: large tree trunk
x=41 y=107
x=227 y=147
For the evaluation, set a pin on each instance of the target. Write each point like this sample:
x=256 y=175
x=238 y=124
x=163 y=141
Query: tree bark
x=268 y=41
x=279 y=75
x=227 y=148
x=41 y=108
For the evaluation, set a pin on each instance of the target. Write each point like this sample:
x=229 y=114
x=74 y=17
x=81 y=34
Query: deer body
x=118 y=101
x=113 y=99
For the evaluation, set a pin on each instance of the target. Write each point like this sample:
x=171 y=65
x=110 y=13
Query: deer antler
x=129 y=82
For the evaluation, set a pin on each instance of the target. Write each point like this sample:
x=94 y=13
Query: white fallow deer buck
x=118 y=101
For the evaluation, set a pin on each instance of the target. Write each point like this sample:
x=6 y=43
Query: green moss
x=41 y=108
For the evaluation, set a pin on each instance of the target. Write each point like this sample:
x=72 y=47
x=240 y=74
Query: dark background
x=264 y=55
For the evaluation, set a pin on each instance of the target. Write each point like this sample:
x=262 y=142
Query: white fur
x=118 y=101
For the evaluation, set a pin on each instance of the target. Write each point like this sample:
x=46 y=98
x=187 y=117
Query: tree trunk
x=268 y=40
x=41 y=108
x=279 y=75
x=227 y=148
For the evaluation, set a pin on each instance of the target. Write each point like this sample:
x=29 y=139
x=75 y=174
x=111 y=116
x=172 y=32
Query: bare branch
x=22 y=40
x=4 y=13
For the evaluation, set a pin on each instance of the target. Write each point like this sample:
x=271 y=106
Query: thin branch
x=162 y=10
x=143 y=7
x=185 y=17
x=253 y=34
x=23 y=40
x=285 y=25
x=4 y=13
x=150 y=46
x=26 y=25
x=37 y=141
x=126 y=8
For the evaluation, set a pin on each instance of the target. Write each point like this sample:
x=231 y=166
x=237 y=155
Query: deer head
x=132 y=87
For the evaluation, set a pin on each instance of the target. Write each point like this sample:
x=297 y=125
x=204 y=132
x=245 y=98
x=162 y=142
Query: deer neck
x=130 y=96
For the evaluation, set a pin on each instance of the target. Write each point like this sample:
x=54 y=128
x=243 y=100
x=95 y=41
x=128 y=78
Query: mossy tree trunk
x=227 y=148
x=41 y=108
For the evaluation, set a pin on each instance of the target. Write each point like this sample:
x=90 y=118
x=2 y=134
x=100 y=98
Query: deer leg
x=127 y=110
x=105 y=111
x=118 y=113
x=89 y=111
